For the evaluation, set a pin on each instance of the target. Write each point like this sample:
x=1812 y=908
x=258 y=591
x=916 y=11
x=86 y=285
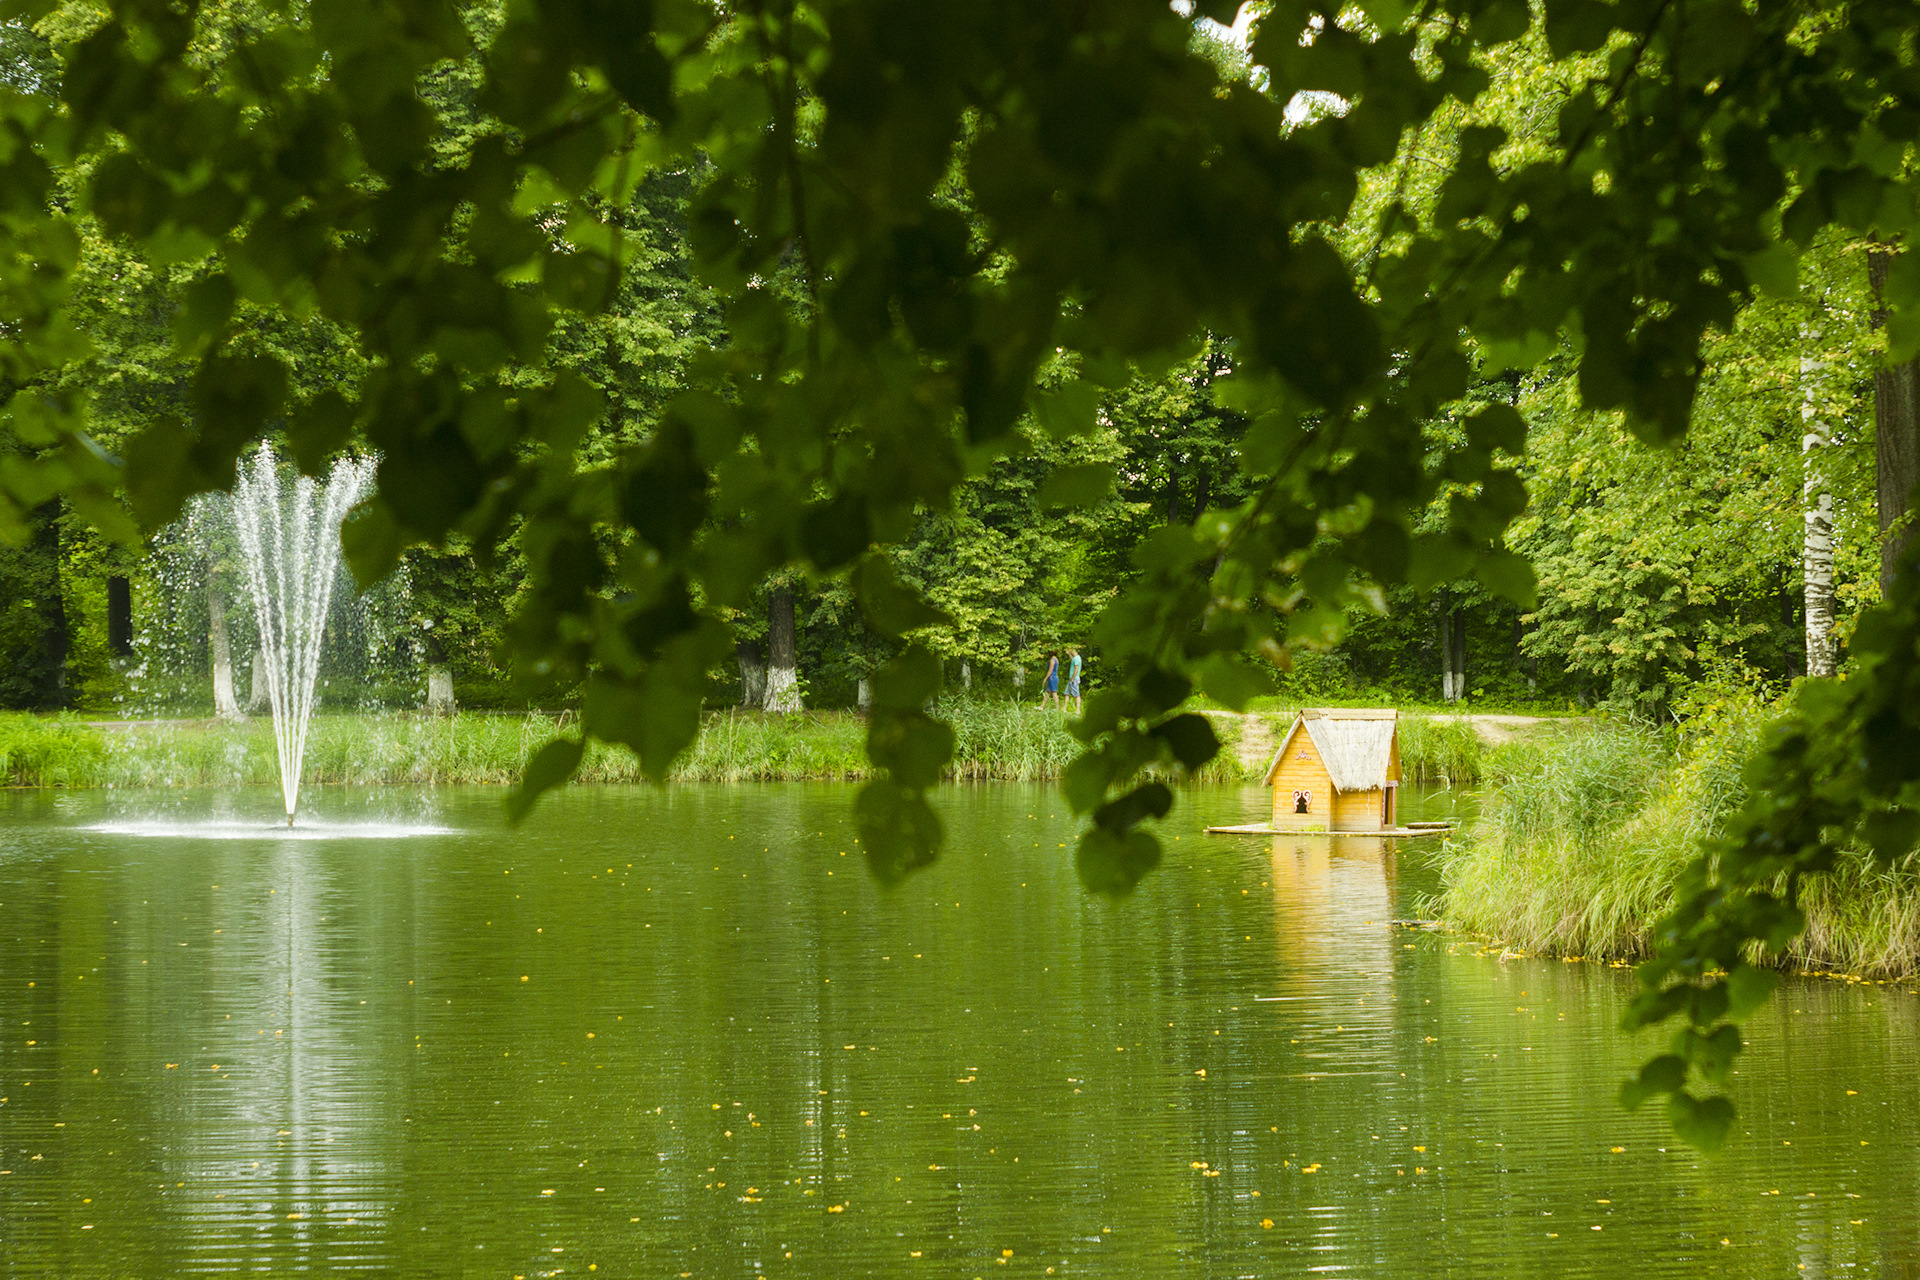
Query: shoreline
x=994 y=741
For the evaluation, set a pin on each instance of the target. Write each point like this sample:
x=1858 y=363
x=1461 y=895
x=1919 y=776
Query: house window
x=1301 y=799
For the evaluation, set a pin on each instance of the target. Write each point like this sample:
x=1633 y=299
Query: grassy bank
x=1585 y=833
x=994 y=740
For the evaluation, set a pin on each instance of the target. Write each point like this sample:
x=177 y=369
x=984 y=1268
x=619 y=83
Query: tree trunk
x=1896 y=437
x=259 y=689
x=1453 y=649
x=224 y=705
x=966 y=675
x=753 y=672
x=783 y=663
x=863 y=695
x=50 y=681
x=1816 y=555
x=440 y=691
x=119 y=617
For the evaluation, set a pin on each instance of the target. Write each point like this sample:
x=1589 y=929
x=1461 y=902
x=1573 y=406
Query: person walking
x=1050 y=683
x=1073 y=679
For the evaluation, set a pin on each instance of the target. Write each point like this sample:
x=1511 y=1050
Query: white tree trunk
x=783 y=666
x=1453 y=650
x=440 y=691
x=864 y=696
x=224 y=704
x=1816 y=501
x=966 y=675
x=783 y=689
x=259 y=692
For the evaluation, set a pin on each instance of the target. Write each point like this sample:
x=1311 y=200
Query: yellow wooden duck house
x=1338 y=770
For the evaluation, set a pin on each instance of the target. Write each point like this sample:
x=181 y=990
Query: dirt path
x=1494 y=730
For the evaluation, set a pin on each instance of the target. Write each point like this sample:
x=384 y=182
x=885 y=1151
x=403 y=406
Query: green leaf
x=908 y=681
x=1071 y=409
x=549 y=767
x=1663 y=1074
x=1701 y=1123
x=1499 y=426
x=664 y=495
x=372 y=541
x=1891 y=833
x=1191 y=739
x=1083 y=484
x=1509 y=575
x=1111 y=865
x=1086 y=779
x=318 y=430
x=892 y=609
x=1748 y=988
x=204 y=312
x=837 y=531
x=911 y=746
x=1232 y=682
x=1437 y=558
x=1577 y=26
x=1774 y=270
x=898 y=828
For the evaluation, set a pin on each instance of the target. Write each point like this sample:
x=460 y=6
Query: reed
x=1441 y=750
x=1586 y=833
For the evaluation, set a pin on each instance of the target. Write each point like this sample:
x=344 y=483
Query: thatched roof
x=1355 y=745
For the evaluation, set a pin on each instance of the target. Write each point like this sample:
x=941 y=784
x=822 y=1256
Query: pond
x=681 y=1033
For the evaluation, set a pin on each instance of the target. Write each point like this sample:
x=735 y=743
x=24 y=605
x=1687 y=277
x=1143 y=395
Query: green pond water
x=681 y=1033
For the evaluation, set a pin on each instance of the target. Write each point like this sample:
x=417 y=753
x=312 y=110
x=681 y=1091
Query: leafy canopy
x=908 y=210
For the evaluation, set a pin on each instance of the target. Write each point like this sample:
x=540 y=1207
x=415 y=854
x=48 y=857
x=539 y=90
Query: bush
x=1586 y=834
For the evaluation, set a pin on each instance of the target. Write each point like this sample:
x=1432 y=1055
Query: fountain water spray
x=290 y=542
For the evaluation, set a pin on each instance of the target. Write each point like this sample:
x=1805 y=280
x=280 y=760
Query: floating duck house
x=1337 y=770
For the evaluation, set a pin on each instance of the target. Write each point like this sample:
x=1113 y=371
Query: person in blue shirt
x=1050 y=683
x=1073 y=679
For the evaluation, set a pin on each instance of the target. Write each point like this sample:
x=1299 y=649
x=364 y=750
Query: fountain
x=289 y=536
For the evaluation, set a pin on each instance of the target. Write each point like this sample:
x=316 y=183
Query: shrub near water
x=1587 y=832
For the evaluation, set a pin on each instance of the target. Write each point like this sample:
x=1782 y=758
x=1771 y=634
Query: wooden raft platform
x=1268 y=829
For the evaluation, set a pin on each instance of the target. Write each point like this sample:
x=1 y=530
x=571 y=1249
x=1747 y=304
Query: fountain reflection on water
x=290 y=543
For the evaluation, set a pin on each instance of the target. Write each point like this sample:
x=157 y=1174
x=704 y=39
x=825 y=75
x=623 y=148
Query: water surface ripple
x=681 y=1033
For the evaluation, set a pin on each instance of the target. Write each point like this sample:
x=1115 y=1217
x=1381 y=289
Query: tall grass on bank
x=994 y=740
x=1446 y=750
x=1585 y=834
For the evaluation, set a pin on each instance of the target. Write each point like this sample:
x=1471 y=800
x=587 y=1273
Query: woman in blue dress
x=1050 y=685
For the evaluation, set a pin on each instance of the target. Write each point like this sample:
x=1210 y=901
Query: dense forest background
x=1656 y=566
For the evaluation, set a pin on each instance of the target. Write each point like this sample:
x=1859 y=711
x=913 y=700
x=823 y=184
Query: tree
x=905 y=222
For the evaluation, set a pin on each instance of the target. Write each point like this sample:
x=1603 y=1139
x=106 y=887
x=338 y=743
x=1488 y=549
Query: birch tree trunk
x=1816 y=503
x=783 y=660
x=1896 y=433
x=224 y=704
x=1453 y=650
